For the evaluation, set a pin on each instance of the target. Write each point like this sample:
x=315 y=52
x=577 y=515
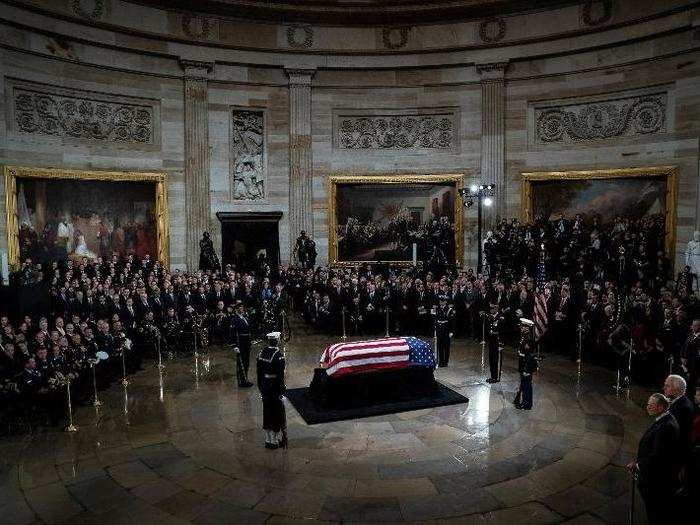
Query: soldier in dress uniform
x=495 y=323
x=270 y=371
x=444 y=316
x=527 y=365
x=241 y=332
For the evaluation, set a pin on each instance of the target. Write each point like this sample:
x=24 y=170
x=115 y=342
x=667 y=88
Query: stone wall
x=253 y=125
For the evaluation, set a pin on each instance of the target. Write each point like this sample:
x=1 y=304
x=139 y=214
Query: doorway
x=247 y=235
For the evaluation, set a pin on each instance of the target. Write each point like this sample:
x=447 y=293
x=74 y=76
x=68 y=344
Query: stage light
x=481 y=187
x=488 y=201
x=473 y=188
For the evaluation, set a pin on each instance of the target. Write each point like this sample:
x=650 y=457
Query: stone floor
x=187 y=447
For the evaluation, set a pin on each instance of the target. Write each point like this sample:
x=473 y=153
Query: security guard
x=270 y=368
x=444 y=329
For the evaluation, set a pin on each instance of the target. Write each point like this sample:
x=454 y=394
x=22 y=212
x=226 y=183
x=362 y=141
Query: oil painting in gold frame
x=642 y=189
x=151 y=185
x=379 y=214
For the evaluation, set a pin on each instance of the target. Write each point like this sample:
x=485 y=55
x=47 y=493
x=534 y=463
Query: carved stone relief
x=196 y=27
x=603 y=118
x=422 y=129
x=596 y=12
x=492 y=30
x=300 y=36
x=50 y=110
x=247 y=154
x=92 y=9
x=395 y=37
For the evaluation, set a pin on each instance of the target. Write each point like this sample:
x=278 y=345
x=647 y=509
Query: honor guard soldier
x=240 y=326
x=444 y=316
x=495 y=322
x=527 y=365
x=270 y=371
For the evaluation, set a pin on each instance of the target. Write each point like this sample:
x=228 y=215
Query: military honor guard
x=527 y=365
x=241 y=328
x=444 y=316
x=495 y=323
x=270 y=372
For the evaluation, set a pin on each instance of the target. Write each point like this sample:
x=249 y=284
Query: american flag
x=540 y=301
x=380 y=354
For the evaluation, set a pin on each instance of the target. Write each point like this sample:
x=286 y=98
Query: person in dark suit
x=690 y=358
x=683 y=410
x=656 y=464
x=527 y=365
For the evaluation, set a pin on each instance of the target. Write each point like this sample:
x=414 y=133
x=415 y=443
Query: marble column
x=493 y=102
x=300 y=154
x=197 y=199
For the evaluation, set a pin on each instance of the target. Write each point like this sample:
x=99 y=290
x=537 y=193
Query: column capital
x=196 y=69
x=299 y=77
x=492 y=70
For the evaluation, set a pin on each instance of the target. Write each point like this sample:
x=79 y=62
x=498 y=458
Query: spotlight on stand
x=481 y=194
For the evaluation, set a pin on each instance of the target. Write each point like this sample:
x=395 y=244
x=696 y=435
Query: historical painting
x=375 y=218
x=606 y=197
x=78 y=216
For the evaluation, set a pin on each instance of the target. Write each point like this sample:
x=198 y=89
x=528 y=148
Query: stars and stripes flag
x=380 y=354
x=540 y=301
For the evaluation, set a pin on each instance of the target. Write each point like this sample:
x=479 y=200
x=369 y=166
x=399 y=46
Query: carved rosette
x=395 y=37
x=596 y=12
x=247 y=154
x=91 y=9
x=397 y=132
x=602 y=120
x=81 y=115
x=492 y=30
x=300 y=36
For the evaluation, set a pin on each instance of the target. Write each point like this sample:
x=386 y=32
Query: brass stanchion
x=483 y=329
x=435 y=348
x=71 y=427
x=387 y=323
x=196 y=372
x=125 y=381
x=161 y=386
x=343 y=316
x=96 y=402
x=160 y=365
x=126 y=403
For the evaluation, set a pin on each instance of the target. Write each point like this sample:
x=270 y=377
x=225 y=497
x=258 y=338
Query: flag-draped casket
x=380 y=370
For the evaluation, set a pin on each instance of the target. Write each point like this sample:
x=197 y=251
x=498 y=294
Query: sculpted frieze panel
x=247 y=142
x=396 y=129
x=603 y=117
x=50 y=110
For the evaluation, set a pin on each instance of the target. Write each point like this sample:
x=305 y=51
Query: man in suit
x=690 y=358
x=657 y=461
x=683 y=410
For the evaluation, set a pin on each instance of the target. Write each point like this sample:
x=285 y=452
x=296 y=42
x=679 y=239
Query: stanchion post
x=387 y=322
x=125 y=381
x=71 y=427
x=343 y=316
x=483 y=330
x=95 y=402
x=629 y=366
x=161 y=366
x=435 y=348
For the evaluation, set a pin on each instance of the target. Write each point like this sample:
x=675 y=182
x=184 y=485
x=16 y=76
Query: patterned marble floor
x=188 y=448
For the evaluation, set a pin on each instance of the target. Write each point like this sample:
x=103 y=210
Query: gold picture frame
x=334 y=180
x=158 y=178
x=670 y=173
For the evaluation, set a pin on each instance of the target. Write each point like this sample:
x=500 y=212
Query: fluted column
x=300 y=154
x=197 y=200
x=493 y=102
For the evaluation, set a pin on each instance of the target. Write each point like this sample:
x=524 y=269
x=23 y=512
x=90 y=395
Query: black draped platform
x=370 y=394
